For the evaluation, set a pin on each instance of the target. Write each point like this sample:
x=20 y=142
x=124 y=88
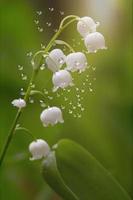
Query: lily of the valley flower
x=62 y=79
x=86 y=25
x=52 y=116
x=19 y=103
x=76 y=62
x=95 y=41
x=55 y=60
x=39 y=149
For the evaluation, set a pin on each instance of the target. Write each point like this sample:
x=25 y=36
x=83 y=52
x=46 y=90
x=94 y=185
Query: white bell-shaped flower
x=39 y=149
x=95 y=41
x=19 y=103
x=86 y=25
x=51 y=116
x=55 y=60
x=62 y=79
x=76 y=62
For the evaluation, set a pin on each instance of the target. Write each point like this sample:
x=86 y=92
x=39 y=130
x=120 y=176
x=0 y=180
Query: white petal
x=55 y=60
x=19 y=103
x=52 y=116
x=95 y=41
x=76 y=62
x=86 y=25
x=61 y=79
x=39 y=149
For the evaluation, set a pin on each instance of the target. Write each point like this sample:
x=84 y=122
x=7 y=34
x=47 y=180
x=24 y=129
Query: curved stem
x=61 y=42
x=67 y=17
x=34 y=74
x=26 y=131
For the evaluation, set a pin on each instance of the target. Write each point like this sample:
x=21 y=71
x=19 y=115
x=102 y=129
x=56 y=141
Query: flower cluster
x=62 y=66
x=93 y=40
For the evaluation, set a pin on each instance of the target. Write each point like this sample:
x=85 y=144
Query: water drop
x=70 y=103
x=49 y=97
x=77 y=63
x=93 y=68
x=39 y=12
x=40 y=29
x=70 y=111
x=31 y=100
x=20 y=67
x=61 y=61
x=32 y=85
x=84 y=83
x=42 y=67
x=45 y=91
x=90 y=83
x=82 y=109
x=42 y=46
x=77 y=89
x=48 y=24
x=55 y=30
x=74 y=115
x=82 y=90
x=62 y=107
x=79 y=115
x=24 y=77
x=79 y=105
x=42 y=104
x=29 y=54
x=65 y=98
x=36 y=21
x=51 y=9
x=90 y=89
x=74 y=107
x=62 y=12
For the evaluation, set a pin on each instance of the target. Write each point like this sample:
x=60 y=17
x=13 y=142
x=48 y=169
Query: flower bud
x=76 y=62
x=61 y=79
x=39 y=149
x=55 y=60
x=86 y=25
x=19 y=103
x=52 y=116
x=95 y=41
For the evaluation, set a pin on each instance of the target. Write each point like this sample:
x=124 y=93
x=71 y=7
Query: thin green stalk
x=19 y=112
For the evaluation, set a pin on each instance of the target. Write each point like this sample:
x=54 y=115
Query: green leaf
x=83 y=175
x=54 y=179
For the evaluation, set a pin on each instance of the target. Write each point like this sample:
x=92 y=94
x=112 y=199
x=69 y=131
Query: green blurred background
x=106 y=126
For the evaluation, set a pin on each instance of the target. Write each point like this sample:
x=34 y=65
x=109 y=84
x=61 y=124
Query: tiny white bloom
x=76 y=62
x=39 y=149
x=86 y=25
x=19 y=103
x=52 y=116
x=55 y=60
x=95 y=41
x=62 y=79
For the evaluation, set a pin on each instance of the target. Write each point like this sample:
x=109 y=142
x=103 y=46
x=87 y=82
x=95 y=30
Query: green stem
x=34 y=74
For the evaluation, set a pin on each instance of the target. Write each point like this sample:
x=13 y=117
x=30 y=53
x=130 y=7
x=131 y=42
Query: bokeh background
x=106 y=126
